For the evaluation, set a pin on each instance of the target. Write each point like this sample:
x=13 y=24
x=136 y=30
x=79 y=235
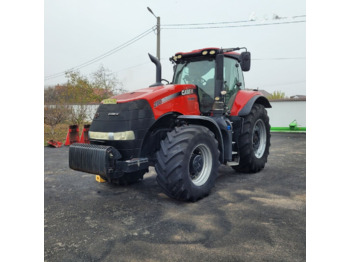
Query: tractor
x=185 y=128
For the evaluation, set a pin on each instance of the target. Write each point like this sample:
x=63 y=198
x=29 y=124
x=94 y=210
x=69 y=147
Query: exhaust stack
x=158 y=71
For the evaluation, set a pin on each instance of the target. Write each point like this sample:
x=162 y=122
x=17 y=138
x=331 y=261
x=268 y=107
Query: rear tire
x=254 y=141
x=187 y=162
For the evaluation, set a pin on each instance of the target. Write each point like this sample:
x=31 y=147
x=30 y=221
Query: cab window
x=233 y=79
x=202 y=74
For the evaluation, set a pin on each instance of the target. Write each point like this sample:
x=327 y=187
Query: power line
x=254 y=59
x=142 y=64
x=231 y=26
x=214 y=23
x=130 y=67
x=104 y=55
x=110 y=52
x=230 y=22
x=177 y=26
x=278 y=58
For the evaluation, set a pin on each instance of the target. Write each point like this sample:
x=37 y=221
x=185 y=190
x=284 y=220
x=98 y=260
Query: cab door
x=233 y=80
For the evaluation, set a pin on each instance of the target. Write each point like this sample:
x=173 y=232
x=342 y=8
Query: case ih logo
x=172 y=96
x=187 y=92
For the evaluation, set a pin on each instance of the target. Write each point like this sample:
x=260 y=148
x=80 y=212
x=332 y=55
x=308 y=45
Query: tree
x=50 y=95
x=79 y=92
x=54 y=115
x=55 y=112
x=277 y=95
x=104 y=79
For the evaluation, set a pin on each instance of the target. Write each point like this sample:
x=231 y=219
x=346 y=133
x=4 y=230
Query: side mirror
x=245 y=61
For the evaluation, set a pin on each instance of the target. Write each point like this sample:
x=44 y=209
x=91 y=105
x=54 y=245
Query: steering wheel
x=188 y=80
x=203 y=81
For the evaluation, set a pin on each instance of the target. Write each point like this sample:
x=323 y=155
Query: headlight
x=126 y=135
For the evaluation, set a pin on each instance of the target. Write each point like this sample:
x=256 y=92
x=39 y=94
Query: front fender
x=245 y=100
x=211 y=125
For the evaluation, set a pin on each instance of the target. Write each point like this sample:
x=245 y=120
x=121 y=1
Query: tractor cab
x=217 y=73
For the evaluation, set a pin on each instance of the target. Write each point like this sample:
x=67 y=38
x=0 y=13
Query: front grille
x=135 y=115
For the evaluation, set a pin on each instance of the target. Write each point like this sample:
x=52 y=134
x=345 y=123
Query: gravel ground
x=255 y=217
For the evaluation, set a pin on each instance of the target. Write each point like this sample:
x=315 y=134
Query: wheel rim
x=200 y=165
x=259 y=138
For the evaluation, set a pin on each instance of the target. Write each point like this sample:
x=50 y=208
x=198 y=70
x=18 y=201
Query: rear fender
x=245 y=100
x=211 y=125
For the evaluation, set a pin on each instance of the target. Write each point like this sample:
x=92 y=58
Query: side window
x=233 y=79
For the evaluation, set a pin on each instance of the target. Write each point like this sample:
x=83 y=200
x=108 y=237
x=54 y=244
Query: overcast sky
x=78 y=31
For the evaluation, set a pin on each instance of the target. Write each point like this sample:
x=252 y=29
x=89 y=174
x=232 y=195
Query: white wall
x=283 y=113
x=91 y=111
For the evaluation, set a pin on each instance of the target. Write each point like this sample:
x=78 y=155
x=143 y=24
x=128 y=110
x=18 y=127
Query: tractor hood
x=151 y=93
x=165 y=98
x=145 y=93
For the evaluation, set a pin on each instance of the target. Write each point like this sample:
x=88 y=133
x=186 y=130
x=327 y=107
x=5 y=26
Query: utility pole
x=158 y=38
x=158 y=32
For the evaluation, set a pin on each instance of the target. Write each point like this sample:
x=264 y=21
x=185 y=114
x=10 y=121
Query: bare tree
x=104 y=79
x=54 y=115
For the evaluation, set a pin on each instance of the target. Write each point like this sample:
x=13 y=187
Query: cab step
x=232 y=163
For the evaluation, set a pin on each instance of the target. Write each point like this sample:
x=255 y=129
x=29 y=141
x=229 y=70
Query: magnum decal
x=172 y=96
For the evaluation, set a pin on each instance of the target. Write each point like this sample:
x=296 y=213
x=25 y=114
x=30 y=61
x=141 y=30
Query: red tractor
x=185 y=129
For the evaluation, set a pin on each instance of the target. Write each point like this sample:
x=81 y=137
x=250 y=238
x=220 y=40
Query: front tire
x=187 y=162
x=254 y=141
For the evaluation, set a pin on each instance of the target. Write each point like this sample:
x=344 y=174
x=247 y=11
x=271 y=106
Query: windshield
x=200 y=73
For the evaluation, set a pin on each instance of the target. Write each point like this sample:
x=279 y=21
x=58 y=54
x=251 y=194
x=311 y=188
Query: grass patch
x=288 y=129
x=60 y=133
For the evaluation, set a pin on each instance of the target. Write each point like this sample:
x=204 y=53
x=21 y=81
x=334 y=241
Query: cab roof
x=209 y=51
